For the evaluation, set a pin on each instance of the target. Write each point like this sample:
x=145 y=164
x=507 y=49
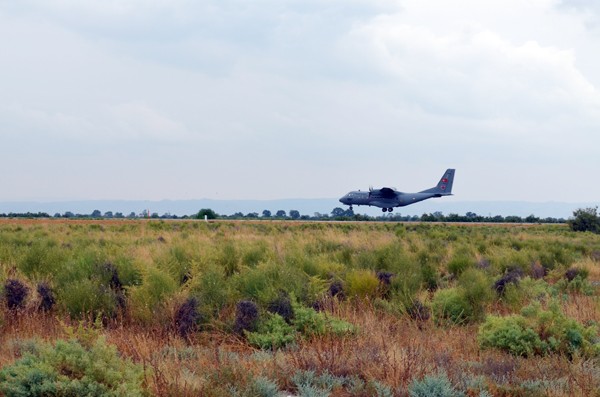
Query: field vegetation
x=277 y=308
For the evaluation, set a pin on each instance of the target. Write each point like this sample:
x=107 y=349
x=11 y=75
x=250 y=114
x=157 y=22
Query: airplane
x=387 y=198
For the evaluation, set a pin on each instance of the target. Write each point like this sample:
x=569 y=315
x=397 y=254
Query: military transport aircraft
x=387 y=198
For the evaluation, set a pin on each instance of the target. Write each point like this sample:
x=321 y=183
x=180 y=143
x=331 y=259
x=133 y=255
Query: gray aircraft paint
x=387 y=198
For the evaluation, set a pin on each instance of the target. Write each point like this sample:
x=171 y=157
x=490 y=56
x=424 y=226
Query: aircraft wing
x=387 y=192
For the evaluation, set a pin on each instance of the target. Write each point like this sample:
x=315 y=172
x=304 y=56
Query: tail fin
x=444 y=186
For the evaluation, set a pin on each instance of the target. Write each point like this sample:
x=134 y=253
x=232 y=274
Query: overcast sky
x=266 y=99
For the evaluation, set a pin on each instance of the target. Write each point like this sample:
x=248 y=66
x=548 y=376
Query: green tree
x=585 y=220
x=294 y=214
x=280 y=214
x=266 y=214
x=337 y=212
x=210 y=214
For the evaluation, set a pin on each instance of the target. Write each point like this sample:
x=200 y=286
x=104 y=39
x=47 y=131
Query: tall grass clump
x=451 y=306
x=477 y=289
x=87 y=297
x=212 y=288
x=362 y=284
x=149 y=300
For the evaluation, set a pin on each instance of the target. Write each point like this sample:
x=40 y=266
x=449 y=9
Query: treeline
x=337 y=214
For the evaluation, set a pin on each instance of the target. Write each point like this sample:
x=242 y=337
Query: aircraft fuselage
x=388 y=198
x=402 y=199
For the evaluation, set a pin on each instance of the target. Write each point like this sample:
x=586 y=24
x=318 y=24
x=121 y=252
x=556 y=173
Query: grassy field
x=274 y=308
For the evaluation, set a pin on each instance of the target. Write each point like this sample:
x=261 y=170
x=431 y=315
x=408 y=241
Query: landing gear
x=387 y=209
x=384 y=209
x=390 y=209
x=350 y=208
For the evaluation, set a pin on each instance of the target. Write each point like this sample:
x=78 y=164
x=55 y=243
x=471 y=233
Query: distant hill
x=305 y=206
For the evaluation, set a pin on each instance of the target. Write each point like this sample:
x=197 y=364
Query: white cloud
x=476 y=74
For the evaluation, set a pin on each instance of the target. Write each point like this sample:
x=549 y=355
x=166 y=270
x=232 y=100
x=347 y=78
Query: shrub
x=187 y=317
x=282 y=306
x=527 y=290
x=263 y=387
x=246 y=317
x=46 y=295
x=337 y=289
x=459 y=264
x=451 y=305
x=538 y=271
x=309 y=322
x=433 y=386
x=110 y=276
x=362 y=284
x=510 y=334
x=67 y=368
x=308 y=383
x=149 y=298
x=273 y=333
x=511 y=277
x=477 y=290
x=86 y=297
x=538 y=331
x=212 y=290
x=15 y=293
x=574 y=272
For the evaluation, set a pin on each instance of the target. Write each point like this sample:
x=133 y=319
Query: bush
x=246 y=317
x=309 y=322
x=273 y=333
x=86 y=297
x=282 y=306
x=510 y=334
x=67 y=368
x=187 y=317
x=362 y=284
x=538 y=331
x=46 y=295
x=433 y=386
x=451 y=305
x=511 y=277
x=477 y=290
x=150 y=297
x=459 y=264
x=15 y=293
